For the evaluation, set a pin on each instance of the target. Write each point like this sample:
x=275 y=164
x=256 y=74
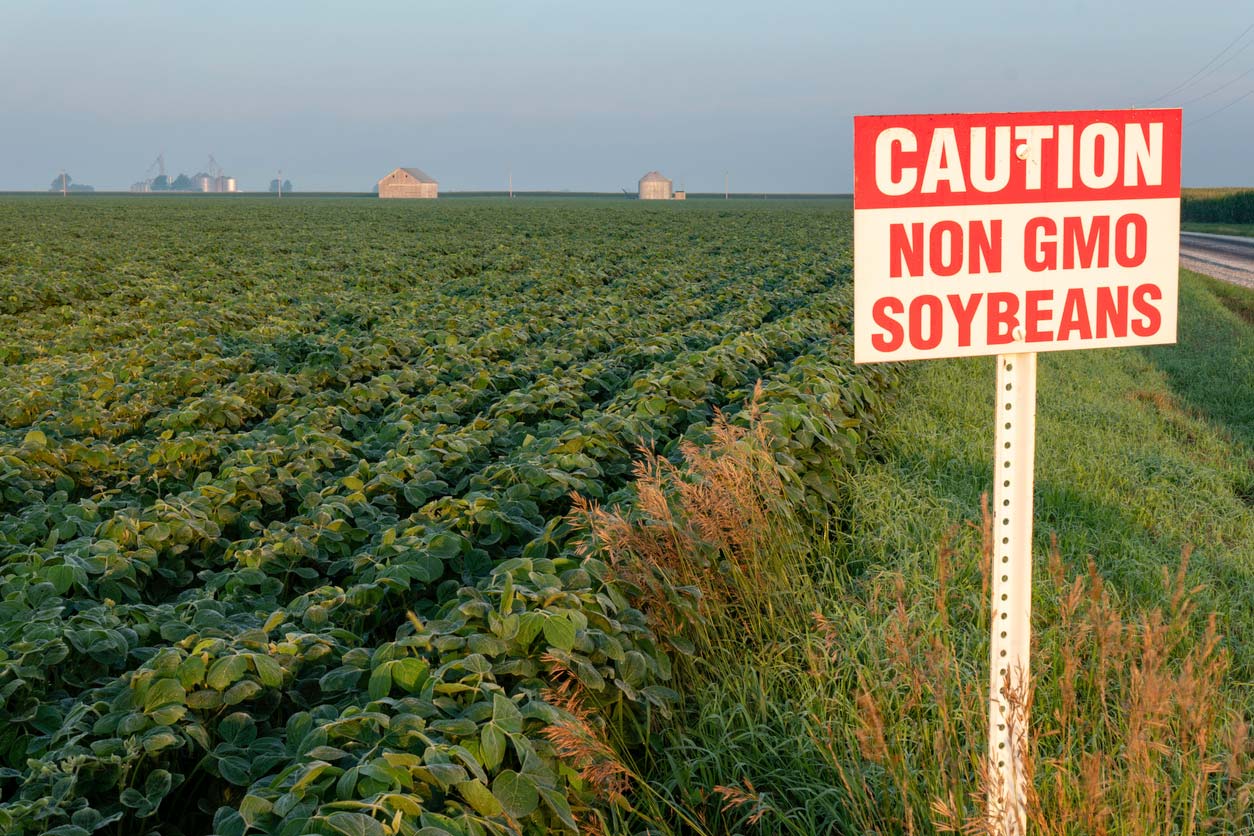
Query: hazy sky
x=580 y=95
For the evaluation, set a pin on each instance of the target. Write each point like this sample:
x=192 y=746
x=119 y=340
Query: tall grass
x=825 y=702
x=1131 y=730
x=714 y=547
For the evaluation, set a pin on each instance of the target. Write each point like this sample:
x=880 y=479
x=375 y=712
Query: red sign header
x=973 y=159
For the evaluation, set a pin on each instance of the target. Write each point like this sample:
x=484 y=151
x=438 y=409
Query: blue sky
x=579 y=95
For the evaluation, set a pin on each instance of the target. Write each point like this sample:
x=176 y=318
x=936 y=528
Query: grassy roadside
x=1138 y=454
x=1246 y=230
x=861 y=709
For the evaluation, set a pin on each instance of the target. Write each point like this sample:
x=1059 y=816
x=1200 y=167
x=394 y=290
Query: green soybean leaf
x=252 y=808
x=559 y=632
x=560 y=807
x=268 y=670
x=354 y=824
x=480 y=798
x=326 y=753
x=204 y=700
x=273 y=622
x=191 y=671
x=445 y=546
x=425 y=567
x=158 y=783
x=518 y=794
x=409 y=673
x=492 y=744
x=131 y=797
x=62 y=577
x=164 y=692
x=312 y=771
x=241 y=691
x=238 y=729
x=340 y=679
x=505 y=714
x=458 y=727
x=380 y=681
x=168 y=715
x=225 y=671
x=529 y=626
x=235 y=770
x=160 y=741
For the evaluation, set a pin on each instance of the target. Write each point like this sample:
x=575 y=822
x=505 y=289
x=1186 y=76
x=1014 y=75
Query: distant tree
x=161 y=183
x=287 y=185
x=182 y=183
x=69 y=185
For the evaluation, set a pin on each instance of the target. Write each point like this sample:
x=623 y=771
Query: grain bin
x=653 y=186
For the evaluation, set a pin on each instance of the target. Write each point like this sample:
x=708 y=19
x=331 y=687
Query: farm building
x=653 y=186
x=409 y=182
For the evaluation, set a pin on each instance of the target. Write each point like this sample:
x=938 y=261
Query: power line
x=1225 y=85
x=1227 y=60
x=1217 y=111
x=1204 y=67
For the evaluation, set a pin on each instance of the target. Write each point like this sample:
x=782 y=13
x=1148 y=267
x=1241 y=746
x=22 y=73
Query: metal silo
x=653 y=186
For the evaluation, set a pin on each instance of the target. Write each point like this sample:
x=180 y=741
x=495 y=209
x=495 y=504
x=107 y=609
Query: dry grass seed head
x=735 y=798
x=704 y=526
x=577 y=739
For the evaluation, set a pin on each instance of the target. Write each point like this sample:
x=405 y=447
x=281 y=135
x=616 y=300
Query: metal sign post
x=1012 y=589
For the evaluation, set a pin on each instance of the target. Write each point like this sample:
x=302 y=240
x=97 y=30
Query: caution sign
x=997 y=233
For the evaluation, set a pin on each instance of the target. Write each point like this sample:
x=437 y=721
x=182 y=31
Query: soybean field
x=286 y=542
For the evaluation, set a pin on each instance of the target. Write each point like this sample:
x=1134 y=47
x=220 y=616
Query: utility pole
x=65 y=191
x=280 y=181
x=726 y=185
x=511 y=182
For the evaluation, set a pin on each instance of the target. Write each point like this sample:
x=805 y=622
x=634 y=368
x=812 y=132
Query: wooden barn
x=409 y=182
x=653 y=186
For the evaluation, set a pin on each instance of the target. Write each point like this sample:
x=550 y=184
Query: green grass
x=1246 y=230
x=1140 y=454
x=1211 y=369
